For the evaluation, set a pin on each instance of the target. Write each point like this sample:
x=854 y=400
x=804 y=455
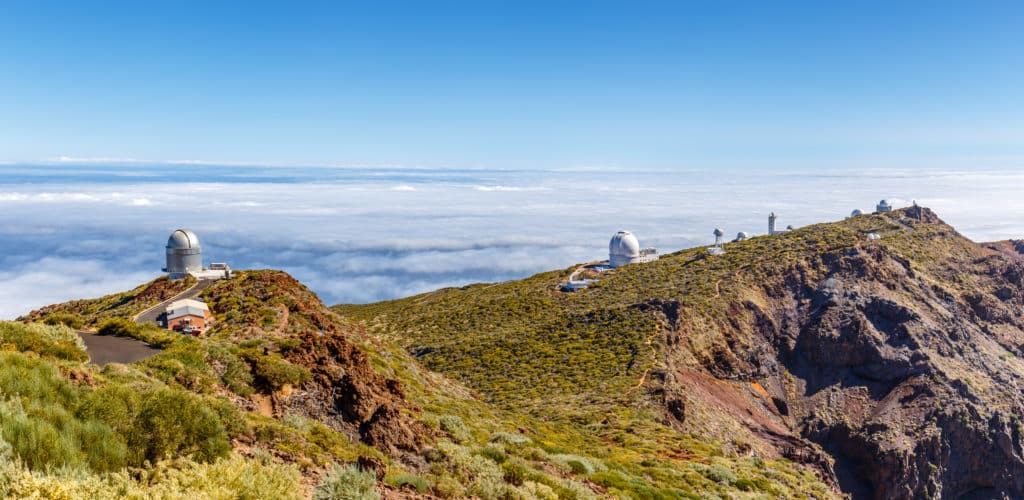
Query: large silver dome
x=183 y=238
x=623 y=249
x=184 y=254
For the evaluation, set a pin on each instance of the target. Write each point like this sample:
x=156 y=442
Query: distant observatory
x=771 y=225
x=717 y=248
x=856 y=212
x=184 y=254
x=625 y=249
x=741 y=236
x=185 y=258
x=883 y=206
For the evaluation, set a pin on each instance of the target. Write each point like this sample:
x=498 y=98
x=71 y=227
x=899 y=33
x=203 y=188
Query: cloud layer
x=360 y=235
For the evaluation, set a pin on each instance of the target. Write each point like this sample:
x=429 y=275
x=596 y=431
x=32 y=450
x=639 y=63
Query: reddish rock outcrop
x=900 y=361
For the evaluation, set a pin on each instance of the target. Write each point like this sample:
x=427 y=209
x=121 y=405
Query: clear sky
x=516 y=84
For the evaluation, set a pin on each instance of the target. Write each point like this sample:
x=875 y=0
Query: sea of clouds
x=368 y=234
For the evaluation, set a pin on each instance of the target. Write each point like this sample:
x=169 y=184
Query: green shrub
x=276 y=371
x=454 y=427
x=38 y=442
x=174 y=423
x=235 y=373
x=493 y=454
x=347 y=483
x=51 y=341
x=514 y=472
x=717 y=473
x=104 y=450
x=577 y=464
x=117 y=405
x=149 y=333
x=185 y=364
x=508 y=438
x=235 y=477
x=34 y=380
x=67 y=319
x=39 y=425
x=416 y=482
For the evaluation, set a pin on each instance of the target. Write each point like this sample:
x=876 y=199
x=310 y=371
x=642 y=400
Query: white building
x=883 y=206
x=771 y=225
x=625 y=249
x=185 y=258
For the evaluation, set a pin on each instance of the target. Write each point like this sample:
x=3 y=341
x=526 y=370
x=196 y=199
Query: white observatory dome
x=856 y=212
x=184 y=254
x=623 y=249
x=741 y=236
x=183 y=238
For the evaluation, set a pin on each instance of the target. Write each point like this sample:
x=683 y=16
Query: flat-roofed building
x=187 y=316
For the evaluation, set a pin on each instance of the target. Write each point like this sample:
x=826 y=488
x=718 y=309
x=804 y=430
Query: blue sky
x=646 y=85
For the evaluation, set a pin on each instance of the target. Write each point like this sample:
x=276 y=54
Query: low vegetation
x=545 y=404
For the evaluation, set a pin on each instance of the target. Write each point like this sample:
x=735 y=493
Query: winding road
x=152 y=314
x=105 y=349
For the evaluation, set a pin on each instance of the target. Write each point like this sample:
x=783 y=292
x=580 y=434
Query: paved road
x=105 y=349
x=152 y=314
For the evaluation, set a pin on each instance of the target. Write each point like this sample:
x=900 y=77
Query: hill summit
x=882 y=351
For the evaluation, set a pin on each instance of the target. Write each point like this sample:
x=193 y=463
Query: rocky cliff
x=883 y=351
x=899 y=357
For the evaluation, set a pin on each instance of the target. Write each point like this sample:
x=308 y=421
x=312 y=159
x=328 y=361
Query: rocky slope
x=280 y=317
x=900 y=358
x=890 y=365
x=299 y=389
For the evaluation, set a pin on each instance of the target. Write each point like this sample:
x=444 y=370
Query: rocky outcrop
x=344 y=391
x=899 y=361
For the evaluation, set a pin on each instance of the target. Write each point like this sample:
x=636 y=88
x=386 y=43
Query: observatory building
x=184 y=254
x=717 y=248
x=625 y=249
x=856 y=212
x=883 y=206
x=771 y=225
x=185 y=258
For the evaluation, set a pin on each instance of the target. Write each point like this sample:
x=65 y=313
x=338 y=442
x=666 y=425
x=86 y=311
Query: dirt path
x=105 y=349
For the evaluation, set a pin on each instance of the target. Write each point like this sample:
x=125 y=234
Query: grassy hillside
x=844 y=334
x=526 y=344
x=293 y=375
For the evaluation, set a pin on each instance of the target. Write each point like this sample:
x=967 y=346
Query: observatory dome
x=183 y=238
x=623 y=249
x=742 y=236
x=184 y=254
x=856 y=212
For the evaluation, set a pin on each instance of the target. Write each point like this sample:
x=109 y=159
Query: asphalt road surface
x=153 y=313
x=105 y=349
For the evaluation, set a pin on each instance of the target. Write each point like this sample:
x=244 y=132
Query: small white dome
x=742 y=235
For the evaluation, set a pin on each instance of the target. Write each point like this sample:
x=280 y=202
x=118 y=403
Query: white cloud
x=357 y=236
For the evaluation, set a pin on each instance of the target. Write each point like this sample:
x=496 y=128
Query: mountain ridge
x=876 y=347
